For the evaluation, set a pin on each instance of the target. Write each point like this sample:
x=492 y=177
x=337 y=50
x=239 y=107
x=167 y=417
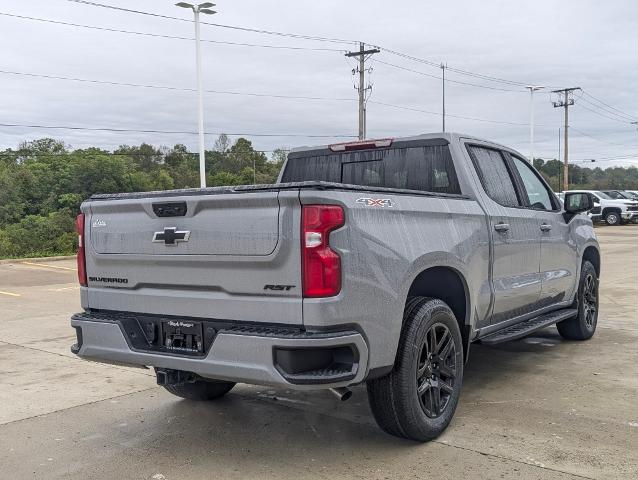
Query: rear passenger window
x=427 y=168
x=495 y=176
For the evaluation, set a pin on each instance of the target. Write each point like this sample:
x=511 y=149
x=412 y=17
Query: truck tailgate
x=229 y=256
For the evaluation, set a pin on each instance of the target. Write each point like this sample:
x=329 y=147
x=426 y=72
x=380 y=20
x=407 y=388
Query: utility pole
x=566 y=102
x=363 y=54
x=443 y=67
x=532 y=89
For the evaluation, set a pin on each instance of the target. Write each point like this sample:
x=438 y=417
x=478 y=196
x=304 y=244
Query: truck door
x=559 y=255
x=515 y=236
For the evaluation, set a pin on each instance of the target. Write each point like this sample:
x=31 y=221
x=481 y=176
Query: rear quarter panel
x=382 y=251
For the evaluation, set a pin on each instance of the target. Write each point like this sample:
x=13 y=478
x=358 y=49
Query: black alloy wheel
x=436 y=370
x=590 y=300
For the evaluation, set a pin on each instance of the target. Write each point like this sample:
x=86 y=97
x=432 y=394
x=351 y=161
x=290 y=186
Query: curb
x=37 y=259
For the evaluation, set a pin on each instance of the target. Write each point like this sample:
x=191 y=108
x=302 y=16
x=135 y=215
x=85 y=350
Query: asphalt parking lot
x=533 y=409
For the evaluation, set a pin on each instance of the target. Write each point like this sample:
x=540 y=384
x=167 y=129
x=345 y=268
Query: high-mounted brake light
x=363 y=145
x=321 y=266
x=81 y=258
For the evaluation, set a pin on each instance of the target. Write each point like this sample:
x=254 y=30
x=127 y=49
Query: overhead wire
x=219 y=25
x=172 y=37
x=254 y=94
x=600 y=108
x=447 y=80
x=169 y=87
x=609 y=107
x=180 y=132
x=602 y=141
x=430 y=112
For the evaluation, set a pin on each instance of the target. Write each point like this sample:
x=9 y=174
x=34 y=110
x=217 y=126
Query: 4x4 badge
x=375 y=202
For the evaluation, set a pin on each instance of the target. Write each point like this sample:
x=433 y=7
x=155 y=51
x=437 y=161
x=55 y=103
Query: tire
x=404 y=402
x=583 y=325
x=612 y=218
x=200 y=389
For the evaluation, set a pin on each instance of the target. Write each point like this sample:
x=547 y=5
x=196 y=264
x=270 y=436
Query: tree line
x=43 y=182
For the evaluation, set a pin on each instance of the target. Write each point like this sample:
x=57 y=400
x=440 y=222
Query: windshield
x=604 y=196
x=616 y=195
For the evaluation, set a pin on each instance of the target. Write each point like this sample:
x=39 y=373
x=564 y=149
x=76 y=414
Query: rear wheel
x=583 y=325
x=418 y=398
x=201 y=389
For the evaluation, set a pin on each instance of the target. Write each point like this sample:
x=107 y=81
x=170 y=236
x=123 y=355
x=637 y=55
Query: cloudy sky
x=589 y=44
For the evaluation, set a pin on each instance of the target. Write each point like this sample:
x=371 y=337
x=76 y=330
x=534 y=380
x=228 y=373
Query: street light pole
x=197 y=9
x=532 y=89
x=560 y=170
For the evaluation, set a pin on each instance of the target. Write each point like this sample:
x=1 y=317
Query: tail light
x=321 y=266
x=81 y=258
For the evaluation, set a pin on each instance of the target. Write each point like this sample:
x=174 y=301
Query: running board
x=520 y=330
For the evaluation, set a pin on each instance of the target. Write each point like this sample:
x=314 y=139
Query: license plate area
x=183 y=336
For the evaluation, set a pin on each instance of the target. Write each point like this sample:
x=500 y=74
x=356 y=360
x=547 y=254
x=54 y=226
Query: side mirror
x=578 y=202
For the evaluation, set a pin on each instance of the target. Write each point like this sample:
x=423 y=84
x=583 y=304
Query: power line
x=599 y=108
x=429 y=112
x=252 y=94
x=310 y=37
x=172 y=37
x=168 y=87
x=266 y=32
x=599 y=113
x=631 y=117
x=455 y=70
x=219 y=25
x=604 y=141
x=447 y=79
x=180 y=132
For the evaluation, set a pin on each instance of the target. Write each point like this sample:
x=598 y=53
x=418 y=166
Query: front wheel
x=418 y=398
x=583 y=325
x=612 y=218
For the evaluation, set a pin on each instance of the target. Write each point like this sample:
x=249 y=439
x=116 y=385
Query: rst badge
x=375 y=202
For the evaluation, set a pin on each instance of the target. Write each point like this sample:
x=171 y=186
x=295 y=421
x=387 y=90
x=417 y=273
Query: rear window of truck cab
x=425 y=168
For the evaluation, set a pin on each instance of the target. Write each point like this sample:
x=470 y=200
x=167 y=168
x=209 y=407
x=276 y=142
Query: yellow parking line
x=46 y=265
x=10 y=294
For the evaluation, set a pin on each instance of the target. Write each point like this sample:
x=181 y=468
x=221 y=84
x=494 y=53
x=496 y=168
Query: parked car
x=595 y=214
x=378 y=261
x=614 y=211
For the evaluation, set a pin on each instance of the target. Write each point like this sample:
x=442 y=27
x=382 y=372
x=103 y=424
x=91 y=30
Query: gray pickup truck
x=378 y=261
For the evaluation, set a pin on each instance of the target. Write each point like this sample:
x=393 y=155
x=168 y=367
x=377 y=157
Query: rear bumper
x=244 y=355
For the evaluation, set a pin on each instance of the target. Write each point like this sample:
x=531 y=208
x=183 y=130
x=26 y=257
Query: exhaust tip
x=342 y=393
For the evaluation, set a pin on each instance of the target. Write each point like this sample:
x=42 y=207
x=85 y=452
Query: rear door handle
x=545 y=227
x=502 y=227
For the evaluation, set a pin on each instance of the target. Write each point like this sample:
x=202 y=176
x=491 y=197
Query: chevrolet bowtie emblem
x=171 y=236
